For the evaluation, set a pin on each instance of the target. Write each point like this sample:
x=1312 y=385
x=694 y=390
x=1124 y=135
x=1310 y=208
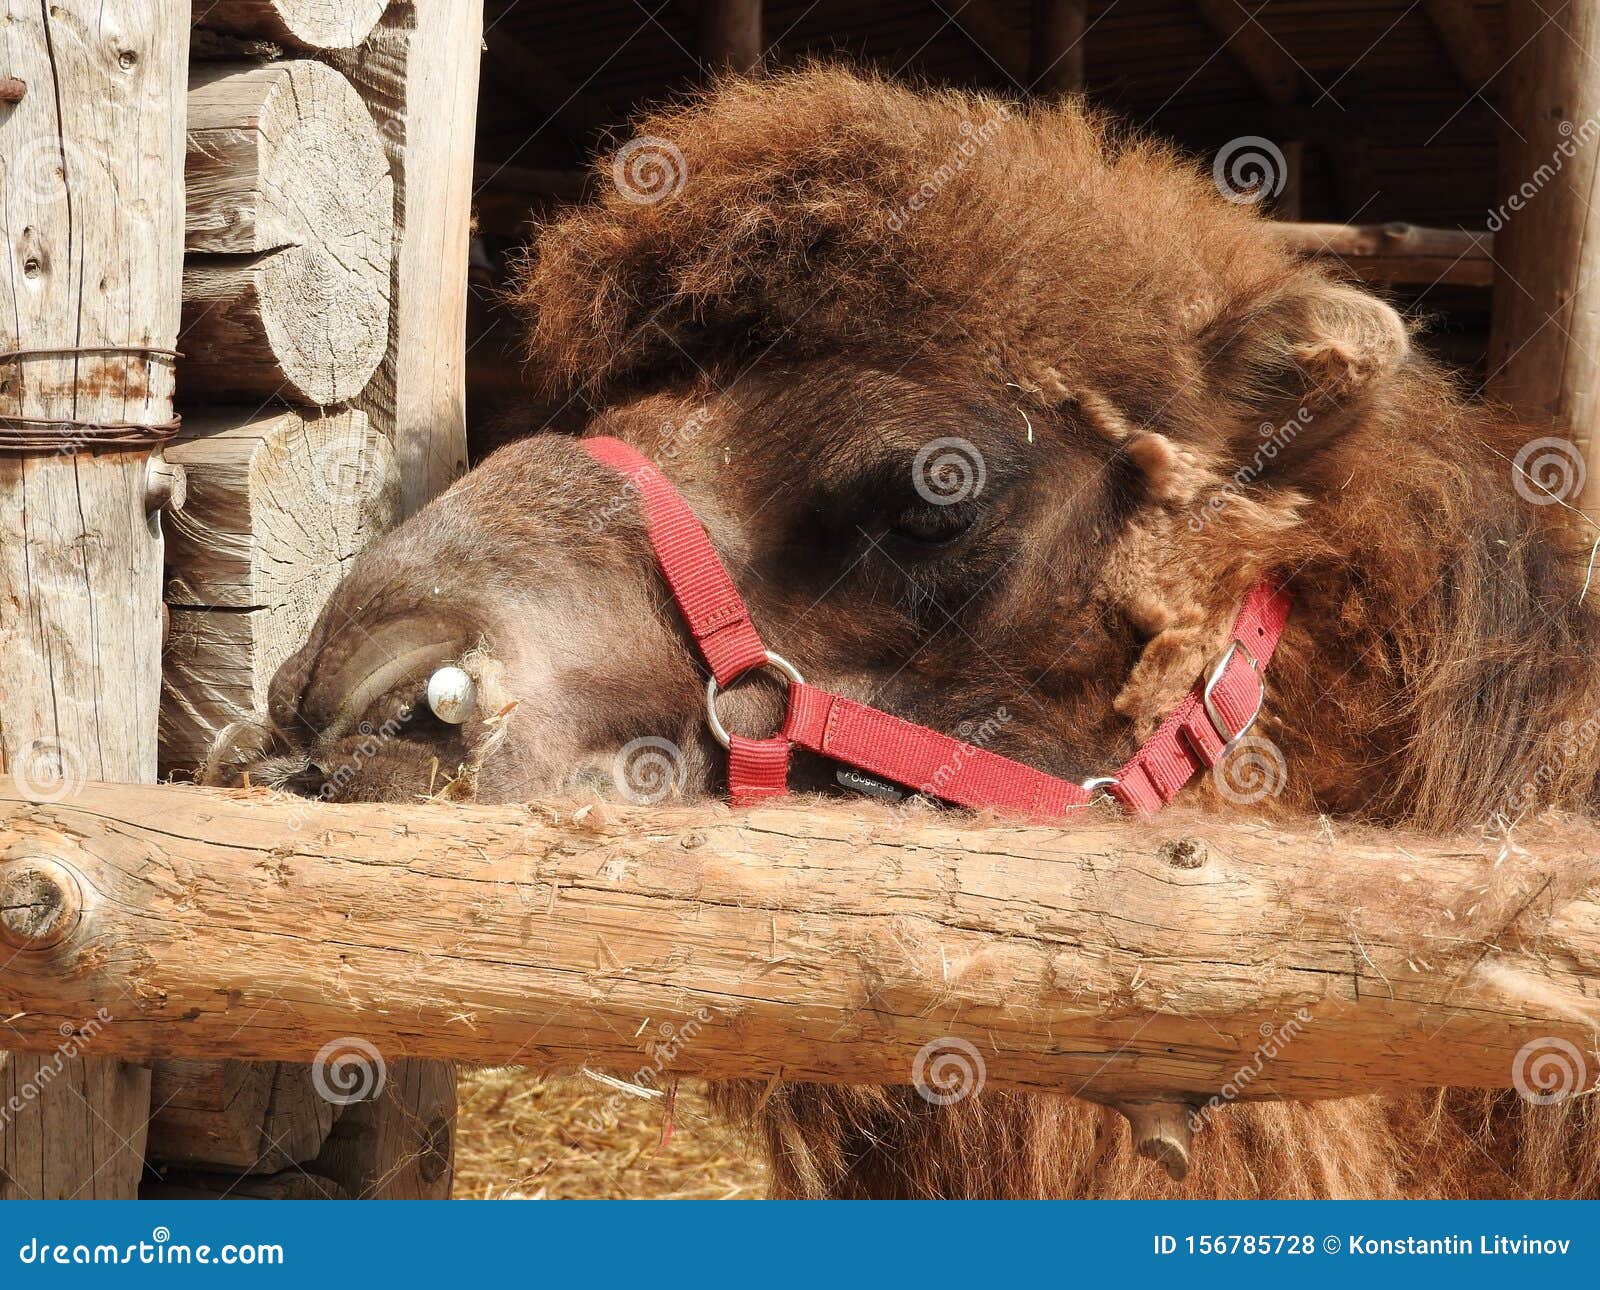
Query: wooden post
x=418 y=73
x=1268 y=65
x=730 y=34
x=1055 y=65
x=1466 y=43
x=1146 y=961
x=286 y=287
x=250 y=1117
x=1544 y=351
x=419 y=76
x=92 y=193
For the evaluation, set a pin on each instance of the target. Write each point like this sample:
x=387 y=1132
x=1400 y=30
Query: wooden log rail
x=1125 y=960
x=1397 y=254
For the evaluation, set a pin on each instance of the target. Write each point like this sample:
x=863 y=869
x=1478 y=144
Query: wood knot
x=12 y=90
x=433 y=1154
x=1184 y=853
x=40 y=903
x=166 y=485
x=1161 y=1133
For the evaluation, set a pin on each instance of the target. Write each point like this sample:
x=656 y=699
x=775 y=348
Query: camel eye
x=933 y=526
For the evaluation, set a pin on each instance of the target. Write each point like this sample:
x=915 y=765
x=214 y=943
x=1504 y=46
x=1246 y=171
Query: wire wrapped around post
x=19 y=434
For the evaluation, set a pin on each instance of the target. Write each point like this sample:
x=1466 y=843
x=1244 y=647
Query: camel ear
x=1319 y=347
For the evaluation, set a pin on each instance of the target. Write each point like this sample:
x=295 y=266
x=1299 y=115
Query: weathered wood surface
x=1270 y=67
x=1544 y=346
x=1467 y=43
x=1128 y=960
x=91 y=186
x=399 y=1145
x=418 y=74
x=253 y=1117
x=289 y=231
x=291 y=1184
x=279 y=506
x=1055 y=52
x=731 y=35
x=1392 y=254
x=305 y=24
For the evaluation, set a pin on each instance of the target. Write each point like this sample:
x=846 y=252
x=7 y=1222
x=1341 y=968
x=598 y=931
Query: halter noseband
x=1221 y=708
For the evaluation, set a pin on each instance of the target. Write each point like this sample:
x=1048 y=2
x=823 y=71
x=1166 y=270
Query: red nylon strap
x=757 y=768
x=1188 y=741
x=711 y=605
x=922 y=759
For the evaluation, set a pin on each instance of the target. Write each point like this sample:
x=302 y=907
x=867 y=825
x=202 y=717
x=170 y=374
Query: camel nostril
x=308 y=781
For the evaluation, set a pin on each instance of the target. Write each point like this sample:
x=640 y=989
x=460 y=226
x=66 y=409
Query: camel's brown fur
x=1123 y=346
x=1097 y=272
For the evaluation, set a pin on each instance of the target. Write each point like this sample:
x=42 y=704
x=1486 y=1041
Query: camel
x=988 y=408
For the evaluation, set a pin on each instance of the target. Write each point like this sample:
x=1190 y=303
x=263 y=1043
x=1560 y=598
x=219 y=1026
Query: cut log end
x=40 y=902
x=305 y=24
x=290 y=228
x=1161 y=1133
x=279 y=506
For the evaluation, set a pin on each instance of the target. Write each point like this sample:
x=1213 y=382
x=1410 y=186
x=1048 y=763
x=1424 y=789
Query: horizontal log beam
x=1398 y=253
x=1128 y=960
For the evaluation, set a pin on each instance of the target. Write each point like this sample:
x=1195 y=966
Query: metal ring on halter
x=777 y=663
x=1100 y=783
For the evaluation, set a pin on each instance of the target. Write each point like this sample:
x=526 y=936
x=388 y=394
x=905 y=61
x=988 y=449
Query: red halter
x=1221 y=708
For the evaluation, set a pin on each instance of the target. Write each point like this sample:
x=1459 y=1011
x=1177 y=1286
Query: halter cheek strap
x=1221 y=708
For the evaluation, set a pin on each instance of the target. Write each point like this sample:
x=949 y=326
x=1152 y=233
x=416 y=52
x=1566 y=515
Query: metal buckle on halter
x=1100 y=784
x=776 y=662
x=1214 y=678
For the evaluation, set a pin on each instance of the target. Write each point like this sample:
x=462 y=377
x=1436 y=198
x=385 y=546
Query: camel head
x=993 y=414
